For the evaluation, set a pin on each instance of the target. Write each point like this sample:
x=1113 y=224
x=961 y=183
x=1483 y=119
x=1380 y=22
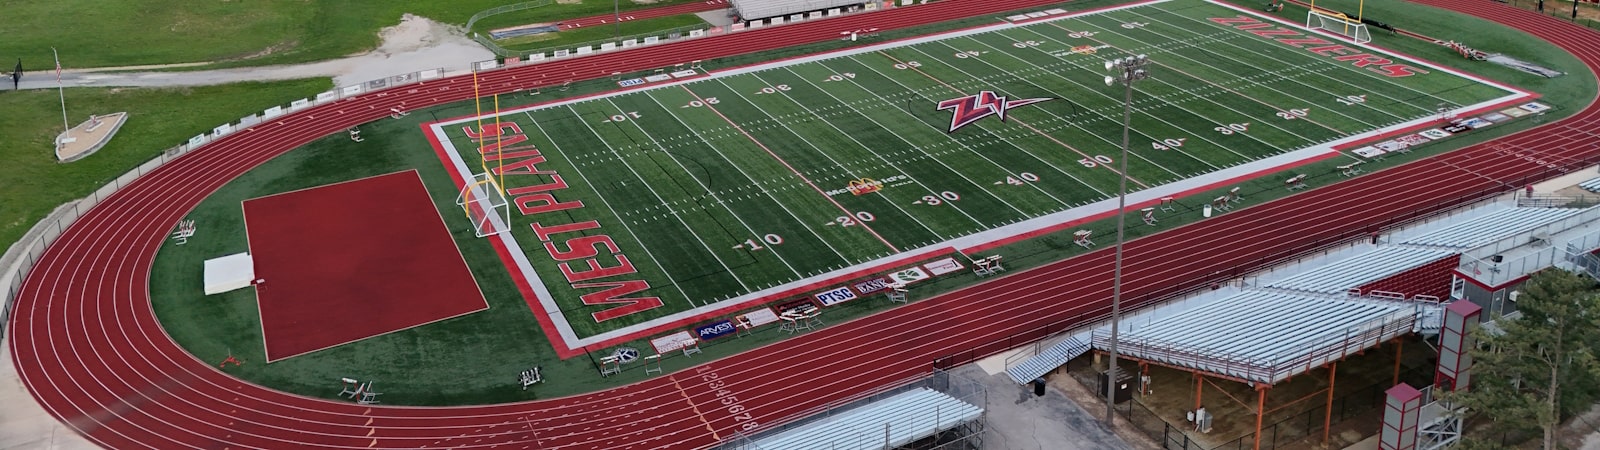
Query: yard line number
x=1080 y=34
x=699 y=104
x=969 y=54
x=940 y=199
x=1167 y=144
x=841 y=77
x=726 y=399
x=1233 y=128
x=1096 y=161
x=1026 y=44
x=1292 y=114
x=907 y=65
x=622 y=117
x=1020 y=179
x=770 y=239
x=774 y=89
x=859 y=216
x=1352 y=100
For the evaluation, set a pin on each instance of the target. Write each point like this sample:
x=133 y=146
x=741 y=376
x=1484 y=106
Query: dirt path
x=415 y=44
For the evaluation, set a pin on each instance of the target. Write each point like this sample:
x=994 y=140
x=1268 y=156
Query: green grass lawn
x=158 y=119
x=474 y=359
x=95 y=33
x=600 y=33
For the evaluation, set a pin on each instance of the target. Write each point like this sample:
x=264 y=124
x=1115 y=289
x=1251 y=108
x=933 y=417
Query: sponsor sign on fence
x=222 y=129
x=350 y=90
x=871 y=285
x=684 y=73
x=608 y=46
x=795 y=304
x=651 y=40
x=536 y=57
x=272 y=112
x=561 y=53
x=327 y=97
x=587 y=49
x=943 y=266
x=715 y=330
x=836 y=295
x=630 y=82
x=671 y=342
x=299 y=104
x=657 y=78
x=760 y=317
x=909 y=276
x=630 y=43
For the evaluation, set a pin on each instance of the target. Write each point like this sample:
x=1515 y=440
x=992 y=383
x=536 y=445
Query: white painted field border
x=980 y=224
x=747 y=177
x=1108 y=96
x=620 y=218
x=753 y=233
x=841 y=166
x=1253 y=66
x=1318 y=61
x=919 y=149
x=1085 y=154
x=1178 y=104
x=1375 y=48
x=972 y=240
x=811 y=58
x=1206 y=98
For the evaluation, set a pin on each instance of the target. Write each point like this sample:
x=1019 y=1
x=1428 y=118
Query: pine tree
x=1519 y=374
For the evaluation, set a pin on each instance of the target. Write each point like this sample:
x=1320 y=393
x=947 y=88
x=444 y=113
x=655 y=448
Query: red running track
x=647 y=13
x=89 y=348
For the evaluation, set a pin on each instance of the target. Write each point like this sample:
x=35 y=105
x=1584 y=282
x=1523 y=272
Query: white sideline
x=571 y=340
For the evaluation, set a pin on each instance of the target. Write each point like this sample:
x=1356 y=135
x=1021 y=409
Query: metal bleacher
x=1339 y=277
x=1052 y=357
x=1266 y=336
x=761 y=9
x=1593 y=185
x=1490 y=228
x=888 y=423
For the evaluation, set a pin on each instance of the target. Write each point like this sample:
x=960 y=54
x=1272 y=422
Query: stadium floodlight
x=1126 y=71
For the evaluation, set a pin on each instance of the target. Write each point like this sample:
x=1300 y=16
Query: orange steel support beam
x=1397 y=344
x=1261 y=410
x=1199 y=384
x=1327 y=418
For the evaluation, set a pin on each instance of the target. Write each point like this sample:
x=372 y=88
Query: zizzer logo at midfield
x=983 y=104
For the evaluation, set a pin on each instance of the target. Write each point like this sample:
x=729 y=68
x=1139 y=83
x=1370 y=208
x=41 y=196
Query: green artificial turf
x=474 y=359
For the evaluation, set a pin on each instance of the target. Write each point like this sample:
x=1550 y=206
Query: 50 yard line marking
x=791 y=168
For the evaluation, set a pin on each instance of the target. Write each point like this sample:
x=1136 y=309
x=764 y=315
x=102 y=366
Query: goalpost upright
x=1355 y=29
x=482 y=198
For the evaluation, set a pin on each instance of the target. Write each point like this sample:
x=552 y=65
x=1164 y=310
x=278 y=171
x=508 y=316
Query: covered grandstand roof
x=1339 y=277
x=1265 y=336
x=761 y=9
x=888 y=423
x=1493 y=227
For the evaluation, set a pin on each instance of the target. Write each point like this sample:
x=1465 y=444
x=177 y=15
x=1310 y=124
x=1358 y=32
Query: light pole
x=1125 y=71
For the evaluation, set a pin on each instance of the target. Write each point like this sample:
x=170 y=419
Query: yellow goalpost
x=482 y=198
x=1356 y=29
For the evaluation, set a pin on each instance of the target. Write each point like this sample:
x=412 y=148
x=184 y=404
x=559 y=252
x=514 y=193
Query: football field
x=680 y=197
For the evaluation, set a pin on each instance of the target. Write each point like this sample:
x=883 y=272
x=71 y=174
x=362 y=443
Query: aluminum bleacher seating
x=1593 y=185
x=888 y=423
x=1049 y=359
x=1492 y=227
x=1339 y=277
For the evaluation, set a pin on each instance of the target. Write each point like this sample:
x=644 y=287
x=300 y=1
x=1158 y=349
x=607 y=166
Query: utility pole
x=1125 y=71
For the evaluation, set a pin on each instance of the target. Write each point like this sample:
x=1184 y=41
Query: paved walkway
x=24 y=425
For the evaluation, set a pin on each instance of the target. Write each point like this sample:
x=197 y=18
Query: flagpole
x=62 y=91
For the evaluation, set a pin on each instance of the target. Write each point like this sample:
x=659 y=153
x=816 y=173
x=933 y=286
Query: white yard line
x=891 y=163
x=1206 y=98
x=946 y=135
x=1165 y=102
x=853 y=175
x=1267 y=41
x=1194 y=45
x=1035 y=131
x=623 y=221
x=717 y=197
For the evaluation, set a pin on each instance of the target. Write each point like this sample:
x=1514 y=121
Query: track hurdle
x=987 y=266
x=610 y=365
x=1149 y=216
x=1234 y=196
x=1295 y=183
x=897 y=292
x=1168 y=204
x=1221 y=204
x=1081 y=237
x=1350 y=170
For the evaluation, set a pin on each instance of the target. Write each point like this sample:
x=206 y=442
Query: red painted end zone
x=353 y=260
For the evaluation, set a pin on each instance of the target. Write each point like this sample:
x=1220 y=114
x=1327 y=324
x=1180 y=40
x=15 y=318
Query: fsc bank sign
x=836 y=295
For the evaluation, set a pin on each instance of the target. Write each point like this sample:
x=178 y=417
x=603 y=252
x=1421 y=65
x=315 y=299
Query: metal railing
x=502 y=10
x=1270 y=369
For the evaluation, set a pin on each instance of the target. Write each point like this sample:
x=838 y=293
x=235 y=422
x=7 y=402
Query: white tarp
x=229 y=272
